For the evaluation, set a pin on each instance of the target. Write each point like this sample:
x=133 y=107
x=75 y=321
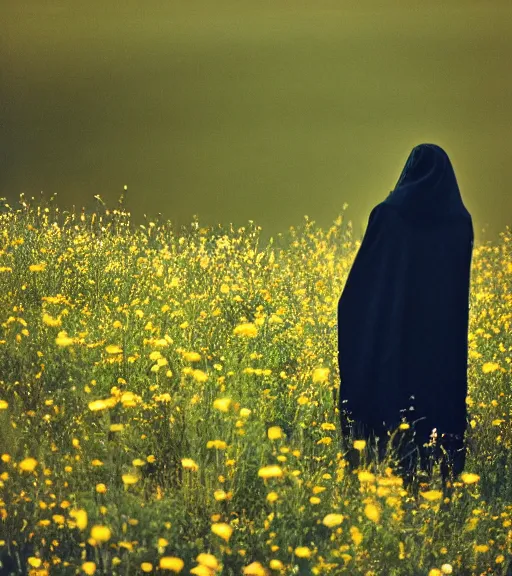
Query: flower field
x=168 y=405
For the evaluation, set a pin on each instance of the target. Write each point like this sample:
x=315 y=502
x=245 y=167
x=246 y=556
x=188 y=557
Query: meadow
x=168 y=405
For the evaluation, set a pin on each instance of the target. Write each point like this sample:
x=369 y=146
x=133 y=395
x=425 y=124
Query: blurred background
x=254 y=109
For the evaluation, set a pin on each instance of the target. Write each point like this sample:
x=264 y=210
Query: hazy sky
x=254 y=109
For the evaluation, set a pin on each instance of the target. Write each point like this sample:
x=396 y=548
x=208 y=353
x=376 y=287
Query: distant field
x=168 y=404
x=253 y=109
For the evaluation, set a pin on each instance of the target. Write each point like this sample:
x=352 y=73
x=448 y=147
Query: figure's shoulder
x=388 y=212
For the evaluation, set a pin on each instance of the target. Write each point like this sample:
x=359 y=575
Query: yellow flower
x=192 y=356
x=146 y=566
x=219 y=444
x=208 y=560
x=359 y=444
x=272 y=496
x=356 y=535
x=481 y=548
x=129 y=479
x=80 y=517
x=101 y=533
x=34 y=562
x=303 y=552
x=97 y=405
x=63 y=340
x=372 y=512
x=320 y=375
x=4 y=405
x=276 y=564
x=366 y=477
x=189 y=464
x=219 y=495
x=37 y=267
x=89 y=568
x=201 y=570
x=199 y=376
x=328 y=426
x=28 y=464
x=490 y=367
x=435 y=572
x=404 y=426
x=432 y=495
x=50 y=321
x=113 y=349
x=171 y=563
x=222 y=530
x=275 y=432
x=248 y=329
x=447 y=569
x=245 y=412
x=326 y=440
x=332 y=520
x=469 y=478
x=101 y=488
x=116 y=427
x=138 y=462
x=222 y=404
x=270 y=472
x=254 y=569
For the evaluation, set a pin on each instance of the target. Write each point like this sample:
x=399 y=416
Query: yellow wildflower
x=101 y=533
x=270 y=472
x=469 y=478
x=171 y=563
x=332 y=520
x=254 y=569
x=303 y=552
x=80 y=517
x=432 y=495
x=222 y=404
x=89 y=568
x=189 y=464
x=130 y=479
x=372 y=512
x=113 y=349
x=28 y=464
x=275 y=432
x=208 y=560
x=248 y=329
x=222 y=530
x=359 y=444
x=320 y=375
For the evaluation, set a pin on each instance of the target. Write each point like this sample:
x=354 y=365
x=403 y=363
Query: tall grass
x=168 y=404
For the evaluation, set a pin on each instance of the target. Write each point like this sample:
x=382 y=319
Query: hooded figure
x=403 y=316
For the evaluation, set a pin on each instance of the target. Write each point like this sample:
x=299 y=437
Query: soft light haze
x=254 y=110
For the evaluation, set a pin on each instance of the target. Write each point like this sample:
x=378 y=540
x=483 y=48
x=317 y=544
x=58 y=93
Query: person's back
x=403 y=314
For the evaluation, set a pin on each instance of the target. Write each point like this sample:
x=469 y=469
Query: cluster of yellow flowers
x=167 y=403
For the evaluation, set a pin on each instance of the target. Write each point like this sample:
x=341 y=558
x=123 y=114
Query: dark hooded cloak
x=403 y=313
